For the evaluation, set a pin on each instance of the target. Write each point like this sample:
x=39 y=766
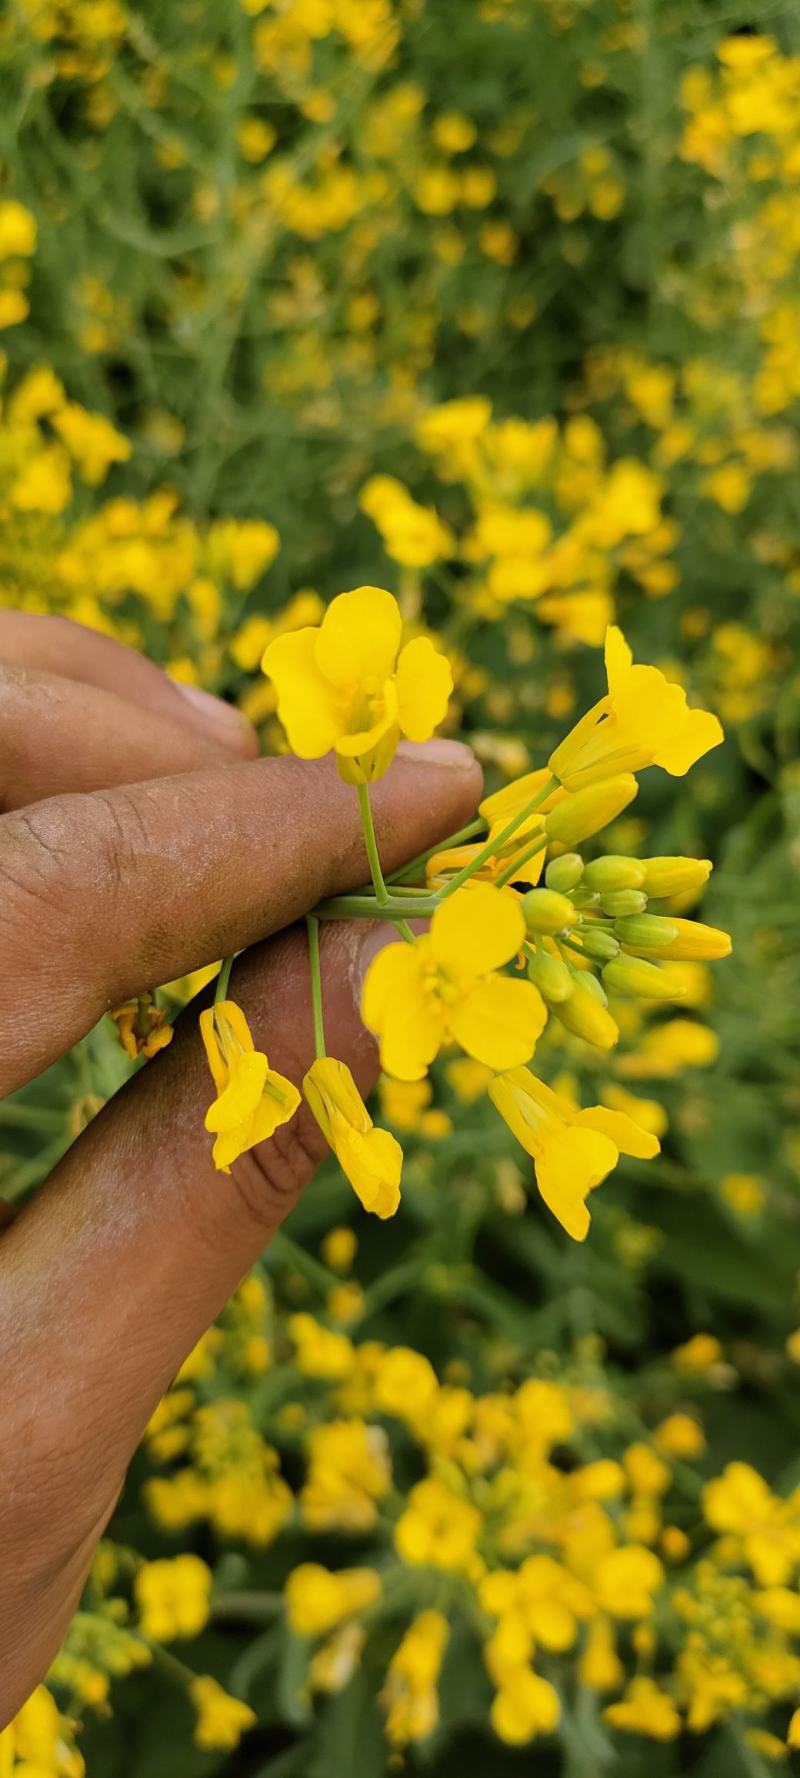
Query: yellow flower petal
x=701 y=732
x=372 y=1159
x=477 y=929
x=219 y=1072
x=308 y=705
x=359 y=637
x=424 y=684
x=619 y=659
x=572 y=1164
x=398 y=972
x=279 y=1103
x=498 y=809
x=373 y=1163
x=498 y=1021
x=241 y=1095
x=623 y=1131
x=396 y=1004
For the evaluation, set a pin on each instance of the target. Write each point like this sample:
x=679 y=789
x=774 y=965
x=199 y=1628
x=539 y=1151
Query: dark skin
x=140 y=838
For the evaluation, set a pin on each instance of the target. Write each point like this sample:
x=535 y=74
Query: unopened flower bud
x=694 y=942
x=563 y=873
x=585 y=898
x=645 y=932
x=552 y=977
x=547 y=911
x=632 y=975
x=584 y=1015
x=619 y=902
x=584 y=812
x=674 y=876
x=593 y=986
x=599 y=945
x=612 y=872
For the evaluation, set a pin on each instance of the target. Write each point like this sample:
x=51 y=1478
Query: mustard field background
x=495 y=303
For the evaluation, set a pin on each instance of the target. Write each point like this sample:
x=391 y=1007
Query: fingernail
x=214 y=712
x=377 y=936
x=438 y=753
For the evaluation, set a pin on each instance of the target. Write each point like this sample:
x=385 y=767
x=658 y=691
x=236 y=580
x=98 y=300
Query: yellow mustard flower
x=572 y=1150
x=643 y=721
x=446 y=985
x=645 y=1710
x=372 y=1159
x=525 y=1706
x=252 y=1099
x=221 y=1719
x=317 y=1599
x=740 y=1503
x=173 y=1596
x=349 y=685
x=409 y=1695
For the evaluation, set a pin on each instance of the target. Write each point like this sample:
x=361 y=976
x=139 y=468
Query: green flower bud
x=645 y=932
x=551 y=975
x=564 y=872
x=599 y=945
x=547 y=911
x=674 y=876
x=633 y=975
x=584 y=812
x=612 y=873
x=584 y=1015
x=585 y=898
x=624 y=901
x=592 y=985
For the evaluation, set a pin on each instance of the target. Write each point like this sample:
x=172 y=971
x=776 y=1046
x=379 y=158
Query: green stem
x=362 y=907
x=312 y=926
x=417 y=864
x=494 y=845
x=221 y=989
x=513 y=869
x=371 y=843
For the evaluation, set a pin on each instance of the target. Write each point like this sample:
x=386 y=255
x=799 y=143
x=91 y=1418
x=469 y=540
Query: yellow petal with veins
x=359 y=637
x=424 y=684
x=573 y=1162
x=701 y=732
x=308 y=705
x=476 y=930
x=628 y=1136
x=241 y=1095
x=498 y=1021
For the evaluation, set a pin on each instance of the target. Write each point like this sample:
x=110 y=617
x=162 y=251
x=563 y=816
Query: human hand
x=141 y=838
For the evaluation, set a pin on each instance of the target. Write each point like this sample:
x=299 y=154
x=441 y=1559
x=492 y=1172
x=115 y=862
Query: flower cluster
x=349 y=685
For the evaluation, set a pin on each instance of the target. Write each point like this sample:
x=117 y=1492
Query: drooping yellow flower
x=573 y=1151
x=349 y=685
x=525 y=1706
x=372 y=1159
x=221 y=1719
x=409 y=1695
x=643 y=721
x=252 y=1099
x=446 y=985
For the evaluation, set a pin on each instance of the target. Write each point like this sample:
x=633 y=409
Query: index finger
x=107 y=894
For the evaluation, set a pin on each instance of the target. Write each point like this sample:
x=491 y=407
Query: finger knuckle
x=270 y=1178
